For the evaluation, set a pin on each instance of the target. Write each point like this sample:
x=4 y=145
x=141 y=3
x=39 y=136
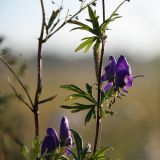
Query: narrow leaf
x=86 y=150
x=94 y=18
x=53 y=17
x=73 y=88
x=89 y=90
x=89 y=45
x=84 y=26
x=85 y=44
x=101 y=152
x=78 y=142
x=89 y=115
x=104 y=25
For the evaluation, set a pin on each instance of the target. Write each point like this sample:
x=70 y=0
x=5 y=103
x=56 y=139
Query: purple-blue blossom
x=65 y=133
x=117 y=74
x=51 y=141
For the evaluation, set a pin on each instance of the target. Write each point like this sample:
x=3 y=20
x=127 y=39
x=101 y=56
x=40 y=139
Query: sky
x=137 y=32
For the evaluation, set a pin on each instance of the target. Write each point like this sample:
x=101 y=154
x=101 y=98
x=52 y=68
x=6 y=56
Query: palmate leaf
x=79 y=93
x=77 y=107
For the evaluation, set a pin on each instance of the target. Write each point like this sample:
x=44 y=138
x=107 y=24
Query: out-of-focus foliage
x=8 y=125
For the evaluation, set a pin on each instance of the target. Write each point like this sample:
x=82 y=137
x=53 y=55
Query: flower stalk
x=98 y=117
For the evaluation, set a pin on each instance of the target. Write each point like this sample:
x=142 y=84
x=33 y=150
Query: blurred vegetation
x=133 y=131
x=9 y=123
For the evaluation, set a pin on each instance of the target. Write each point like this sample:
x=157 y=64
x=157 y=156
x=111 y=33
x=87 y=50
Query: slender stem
x=39 y=73
x=66 y=21
x=103 y=6
x=47 y=99
x=98 y=117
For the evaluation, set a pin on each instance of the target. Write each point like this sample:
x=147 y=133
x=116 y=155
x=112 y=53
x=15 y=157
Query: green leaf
x=89 y=46
x=63 y=157
x=89 y=89
x=86 y=44
x=82 y=26
x=78 y=142
x=100 y=154
x=74 y=96
x=90 y=114
x=25 y=151
x=94 y=19
x=77 y=107
x=81 y=93
x=35 y=148
x=81 y=107
x=97 y=45
x=112 y=17
x=86 y=150
x=53 y=17
x=106 y=95
x=73 y=88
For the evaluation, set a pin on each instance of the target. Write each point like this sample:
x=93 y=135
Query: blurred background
x=133 y=131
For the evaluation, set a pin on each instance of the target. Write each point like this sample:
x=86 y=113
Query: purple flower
x=50 y=142
x=65 y=133
x=117 y=74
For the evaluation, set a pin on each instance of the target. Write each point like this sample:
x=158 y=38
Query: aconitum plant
x=117 y=74
x=110 y=85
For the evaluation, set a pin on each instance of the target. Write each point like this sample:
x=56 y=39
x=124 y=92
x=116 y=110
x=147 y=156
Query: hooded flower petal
x=109 y=70
x=122 y=71
x=50 y=142
x=117 y=74
x=108 y=86
x=123 y=66
x=65 y=134
x=128 y=80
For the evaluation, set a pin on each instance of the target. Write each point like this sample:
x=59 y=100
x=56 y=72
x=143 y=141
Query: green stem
x=98 y=117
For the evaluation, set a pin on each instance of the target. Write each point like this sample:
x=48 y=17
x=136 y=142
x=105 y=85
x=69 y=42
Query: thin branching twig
x=47 y=99
x=18 y=95
x=67 y=20
x=17 y=78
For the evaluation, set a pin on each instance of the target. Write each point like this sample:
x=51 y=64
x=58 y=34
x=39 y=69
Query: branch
x=66 y=21
x=39 y=57
x=47 y=99
x=17 y=78
x=18 y=95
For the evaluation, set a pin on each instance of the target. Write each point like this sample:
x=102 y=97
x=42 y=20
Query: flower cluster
x=117 y=74
x=51 y=141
